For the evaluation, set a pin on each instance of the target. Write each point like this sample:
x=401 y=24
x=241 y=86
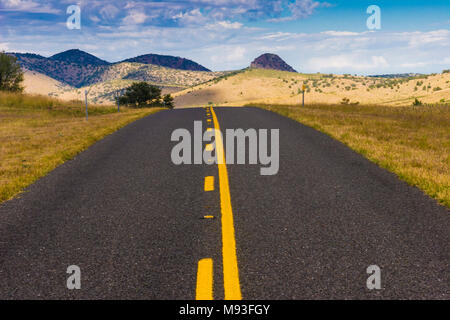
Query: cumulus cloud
x=109 y=12
x=135 y=17
x=191 y=17
x=27 y=6
x=229 y=25
x=432 y=37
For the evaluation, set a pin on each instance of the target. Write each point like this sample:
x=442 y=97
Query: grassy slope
x=412 y=142
x=278 y=87
x=116 y=77
x=37 y=134
x=36 y=83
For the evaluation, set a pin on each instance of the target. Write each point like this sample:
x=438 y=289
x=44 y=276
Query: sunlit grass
x=412 y=142
x=39 y=133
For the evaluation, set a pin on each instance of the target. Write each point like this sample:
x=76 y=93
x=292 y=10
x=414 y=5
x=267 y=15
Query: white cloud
x=109 y=12
x=4 y=46
x=341 y=33
x=27 y=6
x=237 y=54
x=229 y=25
x=345 y=62
x=135 y=17
x=417 y=39
x=415 y=65
x=191 y=17
x=229 y=54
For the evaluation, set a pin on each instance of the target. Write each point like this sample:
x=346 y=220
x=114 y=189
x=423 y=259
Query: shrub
x=345 y=101
x=141 y=94
x=168 y=101
x=417 y=102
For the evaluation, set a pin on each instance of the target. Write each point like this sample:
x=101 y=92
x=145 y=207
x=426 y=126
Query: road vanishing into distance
x=140 y=227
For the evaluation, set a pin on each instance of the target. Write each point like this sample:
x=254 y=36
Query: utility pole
x=118 y=102
x=86 y=92
x=85 y=98
x=303 y=91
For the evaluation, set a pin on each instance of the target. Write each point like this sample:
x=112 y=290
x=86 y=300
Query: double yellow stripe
x=230 y=265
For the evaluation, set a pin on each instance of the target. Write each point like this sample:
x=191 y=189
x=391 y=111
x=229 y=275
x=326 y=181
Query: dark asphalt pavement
x=132 y=221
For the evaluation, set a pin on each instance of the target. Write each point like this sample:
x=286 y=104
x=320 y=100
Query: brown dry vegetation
x=279 y=87
x=39 y=133
x=117 y=77
x=412 y=142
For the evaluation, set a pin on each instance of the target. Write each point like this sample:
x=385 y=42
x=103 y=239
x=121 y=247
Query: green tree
x=168 y=101
x=11 y=75
x=141 y=94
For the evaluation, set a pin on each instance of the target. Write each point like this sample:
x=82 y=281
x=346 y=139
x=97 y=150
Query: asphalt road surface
x=134 y=223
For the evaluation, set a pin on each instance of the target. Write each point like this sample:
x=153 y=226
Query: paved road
x=134 y=222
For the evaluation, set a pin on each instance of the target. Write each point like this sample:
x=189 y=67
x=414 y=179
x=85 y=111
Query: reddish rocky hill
x=168 y=62
x=271 y=61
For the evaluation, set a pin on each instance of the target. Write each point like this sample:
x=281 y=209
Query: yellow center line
x=209 y=147
x=204 y=289
x=230 y=265
x=209 y=183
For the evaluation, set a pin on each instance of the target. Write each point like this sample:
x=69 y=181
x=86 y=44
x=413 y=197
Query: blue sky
x=312 y=36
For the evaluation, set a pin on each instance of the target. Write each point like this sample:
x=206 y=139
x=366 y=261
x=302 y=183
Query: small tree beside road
x=141 y=94
x=11 y=75
x=168 y=101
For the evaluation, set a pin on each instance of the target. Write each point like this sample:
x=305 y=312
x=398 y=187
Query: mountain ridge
x=172 y=62
x=79 y=57
x=79 y=68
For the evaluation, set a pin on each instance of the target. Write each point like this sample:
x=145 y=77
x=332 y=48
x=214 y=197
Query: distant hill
x=272 y=62
x=79 y=57
x=72 y=73
x=168 y=62
x=396 y=75
x=78 y=69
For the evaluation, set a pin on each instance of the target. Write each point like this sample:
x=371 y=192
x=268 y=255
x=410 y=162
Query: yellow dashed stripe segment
x=209 y=183
x=204 y=280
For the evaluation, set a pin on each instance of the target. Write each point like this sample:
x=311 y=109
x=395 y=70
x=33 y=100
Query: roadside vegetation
x=142 y=94
x=412 y=142
x=11 y=75
x=39 y=133
x=261 y=86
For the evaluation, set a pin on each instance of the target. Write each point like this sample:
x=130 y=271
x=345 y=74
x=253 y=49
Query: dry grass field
x=38 y=83
x=39 y=133
x=412 y=142
x=279 y=87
